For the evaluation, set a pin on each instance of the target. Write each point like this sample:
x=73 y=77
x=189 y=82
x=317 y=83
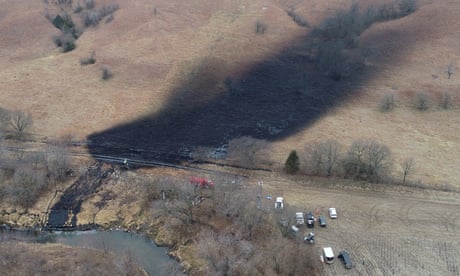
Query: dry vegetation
x=19 y=258
x=394 y=68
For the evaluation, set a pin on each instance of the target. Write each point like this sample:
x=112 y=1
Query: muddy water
x=140 y=249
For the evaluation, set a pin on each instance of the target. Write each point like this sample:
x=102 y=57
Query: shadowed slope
x=272 y=100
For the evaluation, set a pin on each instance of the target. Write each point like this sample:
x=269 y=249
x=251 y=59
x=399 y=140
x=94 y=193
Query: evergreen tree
x=292 y=163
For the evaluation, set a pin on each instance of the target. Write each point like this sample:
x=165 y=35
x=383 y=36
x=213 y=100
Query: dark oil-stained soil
x=63 y=214
x=273 y=100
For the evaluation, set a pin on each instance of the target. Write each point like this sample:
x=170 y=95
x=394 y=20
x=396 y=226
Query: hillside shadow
x=273 y=100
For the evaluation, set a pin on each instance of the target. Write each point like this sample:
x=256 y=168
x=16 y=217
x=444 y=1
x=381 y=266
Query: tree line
x=363 y=160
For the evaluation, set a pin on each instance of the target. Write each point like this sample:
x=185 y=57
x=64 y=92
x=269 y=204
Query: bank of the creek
x=138 y=248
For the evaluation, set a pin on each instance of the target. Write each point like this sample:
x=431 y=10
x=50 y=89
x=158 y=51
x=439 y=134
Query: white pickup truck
x=299 y=218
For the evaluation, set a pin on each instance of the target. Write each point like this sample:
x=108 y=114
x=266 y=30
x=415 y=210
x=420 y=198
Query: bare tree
x=27 y=185
x=19 y=122
x=323 y=158
x=367 y=160
x=407 y=167
x=58 y=160
x=289 y=257
x=184 y=205
x=218 y=250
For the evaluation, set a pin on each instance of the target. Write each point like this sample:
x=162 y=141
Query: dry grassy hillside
x=155 y=49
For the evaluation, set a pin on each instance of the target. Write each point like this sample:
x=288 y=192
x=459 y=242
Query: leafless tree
x=289 y=257
x=218 y=250
x=19 y=122
x=407 y=165
x=183 y=207
x=322 y=158
x=27 y=185
x=58 y=160
x=284 y=219
x=367 y=160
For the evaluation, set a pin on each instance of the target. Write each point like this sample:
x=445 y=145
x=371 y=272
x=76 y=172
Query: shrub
x=66 y=41
x=89 y=4
x=298 y=19
x=91 y=18
x=27 y=186
x=108 y=9
x=63 y=23
x=422 y=101
x=388 y=102
x=407 y=7
x=447 y=101
x=88 y=60
x=261 y=27
x=79 y=8
x=106 y=72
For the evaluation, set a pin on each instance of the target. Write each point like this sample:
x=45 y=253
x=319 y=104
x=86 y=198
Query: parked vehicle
x=201 y=183
x=345 y=258
x=310 y=220
x=322 y=221
x=299 y=218
x=279 y=203
x=294 y=230
x=328 y=255
x=310 y=238
x=332 y=213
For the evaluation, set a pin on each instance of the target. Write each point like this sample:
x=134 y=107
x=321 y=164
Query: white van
x=328 y=255
x=279 y=203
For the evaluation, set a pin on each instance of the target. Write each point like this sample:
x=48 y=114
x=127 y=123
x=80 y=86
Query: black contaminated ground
x=273 y=100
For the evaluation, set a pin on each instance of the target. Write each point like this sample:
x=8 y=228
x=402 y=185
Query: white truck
x=299 y=218
x=279 y=203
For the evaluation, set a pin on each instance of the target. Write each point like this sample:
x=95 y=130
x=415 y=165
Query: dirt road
x=392 y=231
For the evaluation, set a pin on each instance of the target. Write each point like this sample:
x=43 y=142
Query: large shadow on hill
x=273 y=100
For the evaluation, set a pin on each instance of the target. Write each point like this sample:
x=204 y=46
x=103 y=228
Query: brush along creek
x=102 y=198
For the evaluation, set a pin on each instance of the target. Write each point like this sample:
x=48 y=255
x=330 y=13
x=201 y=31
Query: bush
x=422 y=101
x=91 y=18
x=447 y=101
x=27 y=186
x=63 y=23
x=407 y=7
x=89 y=4
x=79 y=8
x=298 y=19
x=106 y=72
x=261 y=27
x=65 y=41
x=88 y=60
x=388 y=102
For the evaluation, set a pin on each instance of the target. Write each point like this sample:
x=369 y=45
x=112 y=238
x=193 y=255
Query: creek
x=153 y=259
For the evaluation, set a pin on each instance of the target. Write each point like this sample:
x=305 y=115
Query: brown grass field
x=153 y=49
x=169 y=55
